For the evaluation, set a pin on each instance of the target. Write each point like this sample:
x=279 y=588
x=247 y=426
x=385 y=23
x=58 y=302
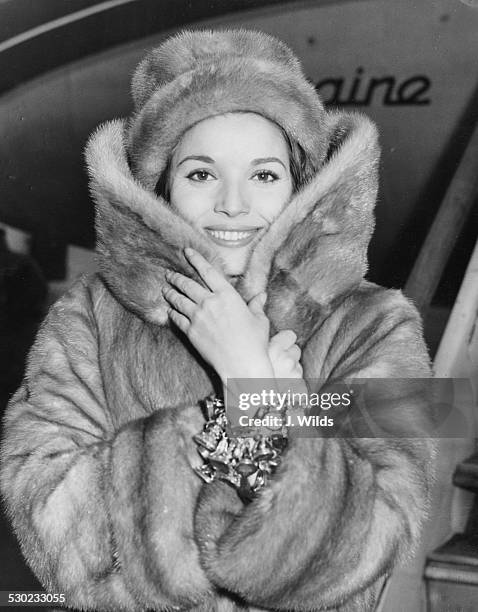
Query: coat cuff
x=309 y=540
x=152 y=493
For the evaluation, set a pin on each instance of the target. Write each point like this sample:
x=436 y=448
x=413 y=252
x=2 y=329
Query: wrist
x=253 y=368
x=245 y=462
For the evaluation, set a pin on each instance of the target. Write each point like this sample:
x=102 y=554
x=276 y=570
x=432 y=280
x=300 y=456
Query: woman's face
x=230 y=177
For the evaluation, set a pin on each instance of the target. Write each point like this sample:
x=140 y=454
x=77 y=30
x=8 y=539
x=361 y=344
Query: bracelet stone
x=245 y=462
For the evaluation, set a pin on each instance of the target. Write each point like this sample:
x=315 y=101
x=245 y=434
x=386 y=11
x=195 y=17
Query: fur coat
x=97 y=457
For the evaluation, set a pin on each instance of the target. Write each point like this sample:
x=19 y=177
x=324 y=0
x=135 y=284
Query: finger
x=284 y=339
x=296 y=368
x=189 y=287
x=274 y=347
x=294 y=351
x=179 y=301
x=256 y=304
x=276 y=342
x=214 y=279
x=180 y=320
x=289 y=336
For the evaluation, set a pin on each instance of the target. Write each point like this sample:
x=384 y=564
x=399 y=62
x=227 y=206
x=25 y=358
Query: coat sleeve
x=339 y=513
x=103 y=516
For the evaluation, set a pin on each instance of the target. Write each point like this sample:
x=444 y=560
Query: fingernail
x=188 y=250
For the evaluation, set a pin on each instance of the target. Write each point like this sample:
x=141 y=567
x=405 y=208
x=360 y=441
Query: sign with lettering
x=365 y=90
x=411 y=67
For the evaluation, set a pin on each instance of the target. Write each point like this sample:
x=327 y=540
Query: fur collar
x=314 y=253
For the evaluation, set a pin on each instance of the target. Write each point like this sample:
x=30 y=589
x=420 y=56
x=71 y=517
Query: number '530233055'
x=38 y=597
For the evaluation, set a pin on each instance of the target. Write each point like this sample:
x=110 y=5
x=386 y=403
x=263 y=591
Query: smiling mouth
x=232 y=238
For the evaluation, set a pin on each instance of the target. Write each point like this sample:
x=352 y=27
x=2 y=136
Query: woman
x=233 y=218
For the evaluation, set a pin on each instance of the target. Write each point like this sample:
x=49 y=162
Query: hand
x=285 y=355
x=229 y=334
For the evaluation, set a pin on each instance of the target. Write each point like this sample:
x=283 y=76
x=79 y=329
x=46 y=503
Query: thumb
x=256 y=304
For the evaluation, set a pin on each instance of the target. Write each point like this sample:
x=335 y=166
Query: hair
x=301 y=168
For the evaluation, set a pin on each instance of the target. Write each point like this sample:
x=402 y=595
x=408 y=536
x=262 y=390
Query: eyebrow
x=265 y=160
x=202 y=158
x=255 y=162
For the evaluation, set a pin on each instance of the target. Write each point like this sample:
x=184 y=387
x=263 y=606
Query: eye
x=265 y=176
x=200 y=176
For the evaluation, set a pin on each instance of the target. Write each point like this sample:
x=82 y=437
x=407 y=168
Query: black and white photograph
x=239 y=305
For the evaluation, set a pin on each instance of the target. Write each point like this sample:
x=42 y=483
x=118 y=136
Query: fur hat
x=198 y=74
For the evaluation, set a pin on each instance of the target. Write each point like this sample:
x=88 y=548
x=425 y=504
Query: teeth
x=230 y=235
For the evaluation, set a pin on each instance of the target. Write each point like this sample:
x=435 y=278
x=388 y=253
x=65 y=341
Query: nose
x=231 y=201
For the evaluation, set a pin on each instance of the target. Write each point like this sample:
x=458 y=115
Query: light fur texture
x=97 y=457
x=199 y=74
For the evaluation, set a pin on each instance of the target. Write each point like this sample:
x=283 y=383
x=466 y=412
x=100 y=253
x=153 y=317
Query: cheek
x=189 y=201
x=269 y=202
